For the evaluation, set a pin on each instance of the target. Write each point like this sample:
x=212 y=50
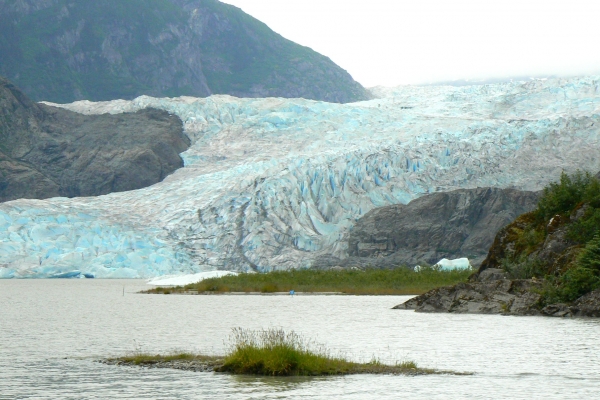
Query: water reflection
x=275 y=382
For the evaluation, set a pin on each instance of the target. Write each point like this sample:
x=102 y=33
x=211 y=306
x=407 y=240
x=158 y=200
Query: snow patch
x=182 y=280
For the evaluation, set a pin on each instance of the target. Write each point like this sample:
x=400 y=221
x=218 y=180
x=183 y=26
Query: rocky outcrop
x=49 y=152
x=62 y=51
x=493 y=293
x=543 y=263
x=487 y=296
x=522 y=246
x=460 y=223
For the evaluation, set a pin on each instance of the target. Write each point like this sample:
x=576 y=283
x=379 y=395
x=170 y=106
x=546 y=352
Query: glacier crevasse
x=275 y=183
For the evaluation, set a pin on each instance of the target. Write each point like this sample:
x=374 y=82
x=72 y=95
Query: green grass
x=274 y=352
x=397 y=281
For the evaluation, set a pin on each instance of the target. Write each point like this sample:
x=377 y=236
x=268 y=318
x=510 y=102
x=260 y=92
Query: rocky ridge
x=459 y=223
x=527 y=268
x=52 y=152
x=492 y=292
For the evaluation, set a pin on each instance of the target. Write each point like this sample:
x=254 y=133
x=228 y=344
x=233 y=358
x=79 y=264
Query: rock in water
x=48 y=152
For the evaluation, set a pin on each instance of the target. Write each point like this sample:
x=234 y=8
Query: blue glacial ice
x=275 y=183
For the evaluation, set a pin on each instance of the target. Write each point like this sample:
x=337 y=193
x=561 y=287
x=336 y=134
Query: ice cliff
x=274 y=183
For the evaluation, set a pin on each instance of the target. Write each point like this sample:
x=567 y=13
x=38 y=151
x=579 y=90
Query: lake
x=52 y=331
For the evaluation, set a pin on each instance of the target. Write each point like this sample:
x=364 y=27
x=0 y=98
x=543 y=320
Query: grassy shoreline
x=272 y=352
x=397 y=281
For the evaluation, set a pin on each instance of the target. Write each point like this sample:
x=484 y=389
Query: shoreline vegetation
x=546 y=262
x=272 y=352
x=371 y=281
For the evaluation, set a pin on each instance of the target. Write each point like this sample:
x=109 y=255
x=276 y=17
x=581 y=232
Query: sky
x=395 y=42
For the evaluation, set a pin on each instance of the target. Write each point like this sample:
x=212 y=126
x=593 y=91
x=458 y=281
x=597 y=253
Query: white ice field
x=273 y=183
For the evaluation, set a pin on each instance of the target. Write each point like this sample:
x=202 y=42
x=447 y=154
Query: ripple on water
x=53 y=330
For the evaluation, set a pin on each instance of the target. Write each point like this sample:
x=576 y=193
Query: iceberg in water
x=459 y=263
x=277 y=183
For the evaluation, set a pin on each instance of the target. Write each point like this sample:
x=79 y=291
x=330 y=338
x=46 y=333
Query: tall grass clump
x=277 y=353
x=274 y=352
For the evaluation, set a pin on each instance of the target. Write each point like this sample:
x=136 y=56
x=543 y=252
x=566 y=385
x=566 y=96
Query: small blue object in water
x=292 y=292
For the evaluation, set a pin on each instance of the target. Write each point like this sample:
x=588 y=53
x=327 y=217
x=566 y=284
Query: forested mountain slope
x=66 y=50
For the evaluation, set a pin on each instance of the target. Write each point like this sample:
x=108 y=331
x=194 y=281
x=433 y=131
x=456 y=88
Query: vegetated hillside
x=545 y=262
x=559 y=240
x=460 y=223
x=49 y=152
x=64 y=50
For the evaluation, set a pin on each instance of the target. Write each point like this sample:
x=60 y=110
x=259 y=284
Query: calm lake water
x=51 y=332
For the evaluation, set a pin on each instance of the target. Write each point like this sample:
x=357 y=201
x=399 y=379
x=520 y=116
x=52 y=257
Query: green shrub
x=590 y=256
x=562 y=197
x=576 y=282
x=530 y=239
x=524 y=269
x=584 y=229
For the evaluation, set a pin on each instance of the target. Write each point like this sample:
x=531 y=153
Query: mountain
x=48 y=152
x=64 y=50
x=280 y=183
x=459 y=223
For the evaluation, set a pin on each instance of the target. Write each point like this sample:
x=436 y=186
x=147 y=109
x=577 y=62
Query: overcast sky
x=392 y=42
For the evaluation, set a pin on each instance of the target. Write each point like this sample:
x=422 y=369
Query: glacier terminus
x=275 y=183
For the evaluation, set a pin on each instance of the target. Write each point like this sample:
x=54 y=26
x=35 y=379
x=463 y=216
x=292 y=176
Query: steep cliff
x=61 y=51
x=460 y=223
x=48 y=152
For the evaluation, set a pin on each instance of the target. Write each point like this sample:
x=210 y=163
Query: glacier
x=277 y=183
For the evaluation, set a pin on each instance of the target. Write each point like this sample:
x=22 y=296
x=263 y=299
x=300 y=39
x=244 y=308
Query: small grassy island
x=272 y=352
x=397 y=281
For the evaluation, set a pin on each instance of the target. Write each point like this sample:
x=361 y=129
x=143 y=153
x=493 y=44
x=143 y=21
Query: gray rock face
x=461 y=223
x=501 y=296
x=62 y=51
x=492 y=293
x=48 y=152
